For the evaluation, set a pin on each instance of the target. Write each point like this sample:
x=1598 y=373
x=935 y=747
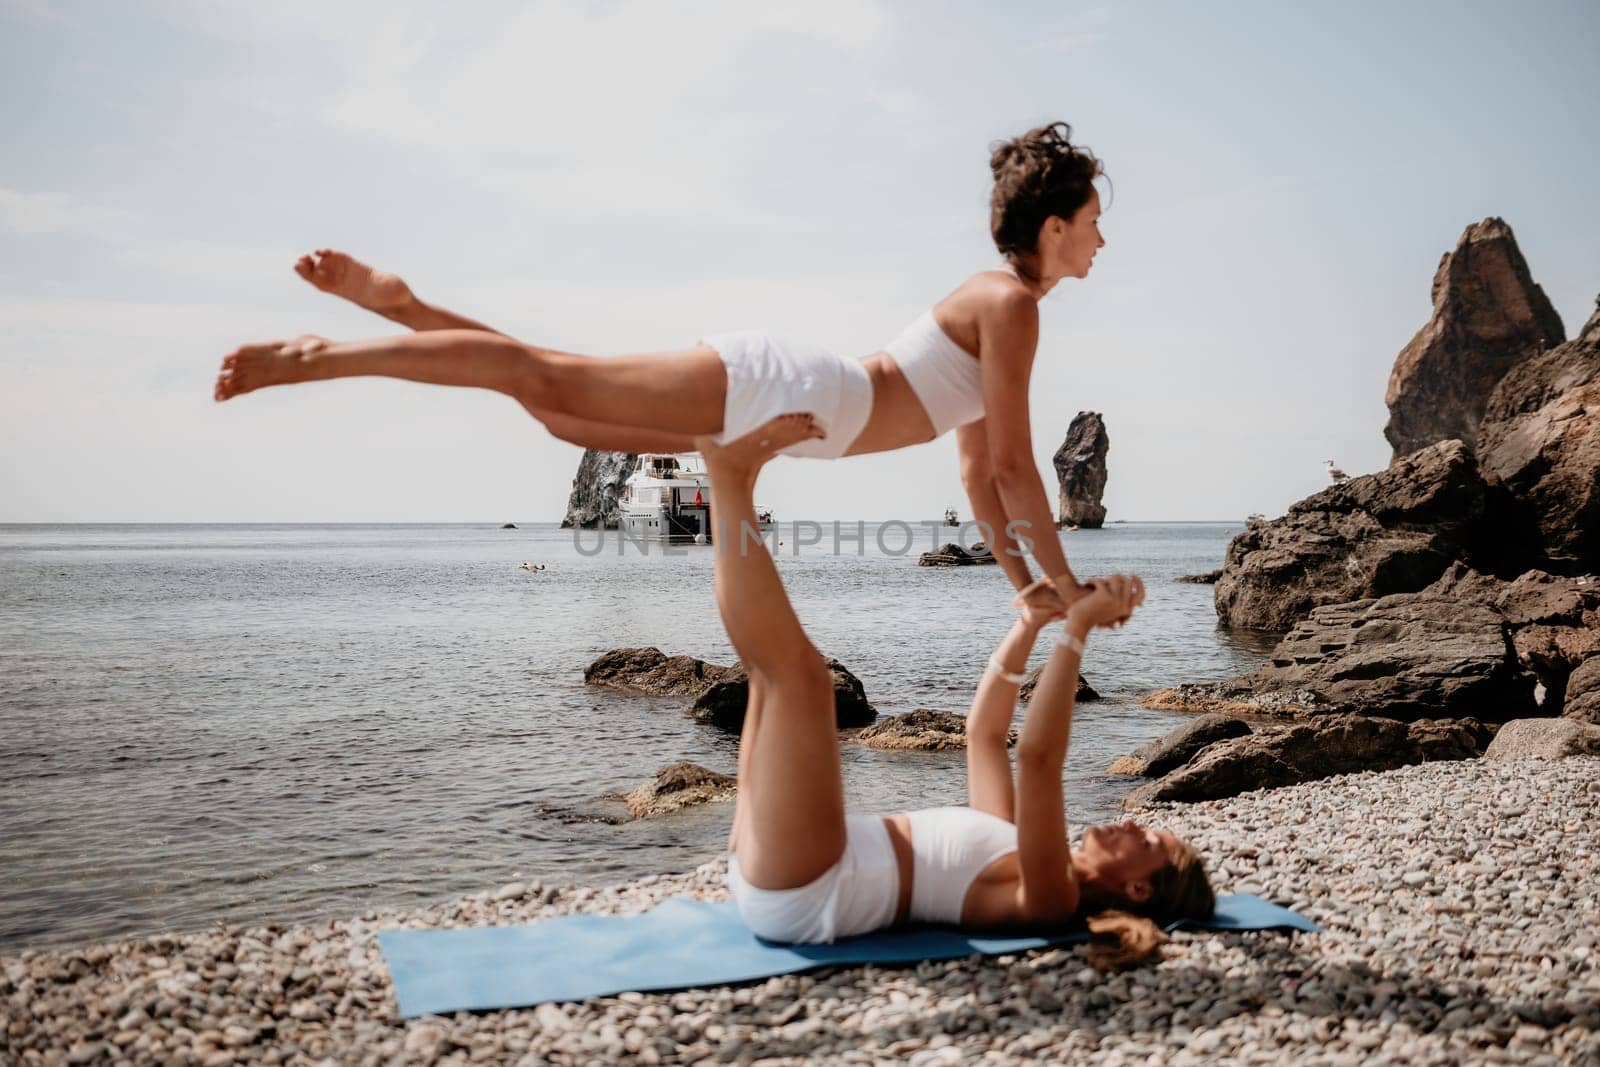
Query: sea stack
x=597 y=490
x=1488 y=316
x=1080 y=465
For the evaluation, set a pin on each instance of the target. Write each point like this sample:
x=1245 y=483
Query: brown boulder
x=951 y=554
x=1544 y=739
x=1488 y=314
x=1086 y=692
x=650 y=672
x=1278 y=755
x=723 y=703
x=1390 y=532
x=1408 y=656
x=922 y=730
x=677 y=786
x=1180 y=746
x=1080 y=465
x=1583 y=693
x=1541 y=439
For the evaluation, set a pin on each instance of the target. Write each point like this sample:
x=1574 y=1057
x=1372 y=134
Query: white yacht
x=668 y=498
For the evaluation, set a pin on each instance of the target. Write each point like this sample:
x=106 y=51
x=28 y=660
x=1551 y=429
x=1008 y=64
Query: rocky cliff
x=1488 y=315
x=1080 y=465
x=597 y=488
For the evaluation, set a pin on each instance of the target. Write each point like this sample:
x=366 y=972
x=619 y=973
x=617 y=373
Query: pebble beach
x=1458 y=902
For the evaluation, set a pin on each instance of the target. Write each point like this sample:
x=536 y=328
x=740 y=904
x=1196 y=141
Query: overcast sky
x=614 y=177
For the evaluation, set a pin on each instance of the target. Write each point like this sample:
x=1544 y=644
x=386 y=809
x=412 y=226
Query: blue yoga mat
x=680 y=944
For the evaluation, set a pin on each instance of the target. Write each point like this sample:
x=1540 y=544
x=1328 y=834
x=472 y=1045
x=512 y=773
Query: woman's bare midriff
x=898 y=418
x=991 y=899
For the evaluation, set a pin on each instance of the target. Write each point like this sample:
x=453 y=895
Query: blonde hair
x=1180 y=889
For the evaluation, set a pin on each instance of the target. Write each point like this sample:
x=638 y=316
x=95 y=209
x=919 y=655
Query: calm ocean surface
x=291 y=723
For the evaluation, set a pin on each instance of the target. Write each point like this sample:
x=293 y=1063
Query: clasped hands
x=1100 y=602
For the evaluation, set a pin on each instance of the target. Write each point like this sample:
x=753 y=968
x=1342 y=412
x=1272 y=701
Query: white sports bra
x=950 y=847
x=945 y=376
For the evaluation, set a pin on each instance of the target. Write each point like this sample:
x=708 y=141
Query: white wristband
x=1072 y=641
x=1000 y=668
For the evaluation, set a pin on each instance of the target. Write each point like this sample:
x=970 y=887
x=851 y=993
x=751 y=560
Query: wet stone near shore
x=1458 y=903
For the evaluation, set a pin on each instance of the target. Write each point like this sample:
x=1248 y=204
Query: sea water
x=291 y=723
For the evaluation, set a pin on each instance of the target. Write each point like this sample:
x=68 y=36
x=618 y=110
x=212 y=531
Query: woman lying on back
x=805 y=870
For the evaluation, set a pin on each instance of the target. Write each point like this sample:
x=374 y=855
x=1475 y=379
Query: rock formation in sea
x=1488 y=315
x=1080 y=465
x=951 y=554
x=720 y=693
x=1086 y=692
x=651 y=672
x=922 y=730
x=723 y=704
x=677 y=786
x=597 y=489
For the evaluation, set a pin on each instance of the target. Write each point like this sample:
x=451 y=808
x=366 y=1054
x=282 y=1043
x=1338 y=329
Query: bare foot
x=342 y=275
x=252 y=367
x=745 y=456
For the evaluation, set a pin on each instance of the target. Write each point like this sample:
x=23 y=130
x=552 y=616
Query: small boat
x=668 y=498
x=951 y=518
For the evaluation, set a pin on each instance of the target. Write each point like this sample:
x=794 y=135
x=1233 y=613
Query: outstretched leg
x=387 y=294
x=790 y=819
x=678 y=392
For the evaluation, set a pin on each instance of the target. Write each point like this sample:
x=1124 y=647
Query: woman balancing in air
x=963 y=365
x=805 y=870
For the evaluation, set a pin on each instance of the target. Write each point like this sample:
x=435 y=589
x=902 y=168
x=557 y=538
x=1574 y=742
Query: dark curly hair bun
x=1037 y=175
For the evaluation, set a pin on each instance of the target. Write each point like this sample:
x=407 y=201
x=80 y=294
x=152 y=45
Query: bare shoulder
x=989 y=302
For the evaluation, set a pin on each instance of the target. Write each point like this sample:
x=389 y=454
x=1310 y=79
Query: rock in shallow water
x=922 y=730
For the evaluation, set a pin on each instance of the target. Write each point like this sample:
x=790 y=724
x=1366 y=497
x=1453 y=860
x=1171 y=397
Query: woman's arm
x=1049 y=888
x=977 y=477
x=1009 y=337
x=989 y=785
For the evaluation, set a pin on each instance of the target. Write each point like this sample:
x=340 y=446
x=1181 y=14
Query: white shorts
x=857 y=895
x=770 y=376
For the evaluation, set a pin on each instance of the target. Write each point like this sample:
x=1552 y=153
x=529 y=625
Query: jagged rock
x=597 y=489
x=677 y=786
x=1276 y=755
x=723 y=703
x=951 y=554
x=1180 y=746
x=1541 y=440
x=1488 y=314
x=1449 y=739
x=1085 y=693
x=1408 y=656
x=1544 y=739
x=1553 y=622
x=1390 y=532
x=650 y=672
x=1080 y=465
x=1208 y=578
x=922 y=730
x=1583 y=693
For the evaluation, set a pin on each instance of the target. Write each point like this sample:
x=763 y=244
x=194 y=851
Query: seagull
x=1336 y=474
